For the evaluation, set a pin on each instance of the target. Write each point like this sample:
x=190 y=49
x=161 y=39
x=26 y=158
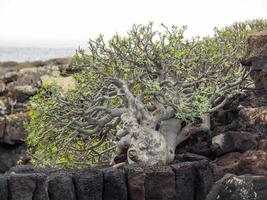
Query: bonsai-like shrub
x=138 y=96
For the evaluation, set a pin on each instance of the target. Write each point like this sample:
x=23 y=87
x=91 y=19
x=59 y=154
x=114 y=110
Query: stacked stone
x=193 y=180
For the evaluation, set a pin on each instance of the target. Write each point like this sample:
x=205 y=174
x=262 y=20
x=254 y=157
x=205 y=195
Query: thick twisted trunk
x=155 y=144
x=150 y=137
x=147 y=142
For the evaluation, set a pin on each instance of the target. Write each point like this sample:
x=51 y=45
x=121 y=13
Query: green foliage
x=188 y=75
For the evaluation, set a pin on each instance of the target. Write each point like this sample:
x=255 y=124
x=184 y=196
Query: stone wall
x=184 y=181
x=180 y=181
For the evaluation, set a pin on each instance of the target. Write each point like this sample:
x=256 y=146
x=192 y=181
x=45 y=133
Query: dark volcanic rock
x=257 y=58
x=114 y=186
x=204 y=179
x=160 y=183
x=3 y=188
x=9 y=155
x=193 y=180
x=185 y=157
x=60 y=187
x=88 y=184
x=22 y=169
x=15 y=132
x=22 y=93
x=150 y=183
x=135 y=182
x=234 y=141
x=185 y=177
x=245 y=187
x=21 y=186
x=41 y=192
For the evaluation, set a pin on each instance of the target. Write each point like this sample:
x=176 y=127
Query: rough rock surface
x=18 y=82
x=88 y=185
x=245 y=187
x=193 y=180
x=114 y=186
x=257 y=57
x=150 y=183
x=60 y=186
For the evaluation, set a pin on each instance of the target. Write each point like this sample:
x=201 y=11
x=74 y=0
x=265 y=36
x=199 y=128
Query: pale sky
x=69 y=23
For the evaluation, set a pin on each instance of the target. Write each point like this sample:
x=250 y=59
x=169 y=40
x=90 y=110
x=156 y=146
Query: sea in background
x=33 y=54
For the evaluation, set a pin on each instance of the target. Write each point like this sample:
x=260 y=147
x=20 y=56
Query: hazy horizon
x=70 y=23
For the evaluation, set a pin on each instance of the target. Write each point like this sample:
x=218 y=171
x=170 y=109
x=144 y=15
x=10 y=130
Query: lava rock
x=15 y=132
x=22 y=93
x=9 y=155
x=150 y=183
x=193 y=180
x=135 y=182
x=253 y=162
x=41 y=192
x=60 y=187
x=234 y=141
x=245 y=187
x=88 y=184
x=2 y=87
x=160 y=183
x=3 y=188
x=114 y=186
x=185 y=176
x=257 y=58
x=228 y=163
x=263 y=145
x=21 y=186
x=185 y=157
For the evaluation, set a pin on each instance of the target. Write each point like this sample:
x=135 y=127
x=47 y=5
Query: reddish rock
x=253 y=162
x=250 y=162
x=2 y=86
x=254 y=116
x=257 y=44
x=257 y=58
x=136 y=182
x=160 y=184
x=150 y=183
x=15 y=132
x=263 y=145
x=228 y=163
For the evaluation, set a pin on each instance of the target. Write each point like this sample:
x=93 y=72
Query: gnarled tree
x=143 y=94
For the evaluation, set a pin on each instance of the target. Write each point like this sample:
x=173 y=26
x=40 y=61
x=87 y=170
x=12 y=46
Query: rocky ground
x=18 y=82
